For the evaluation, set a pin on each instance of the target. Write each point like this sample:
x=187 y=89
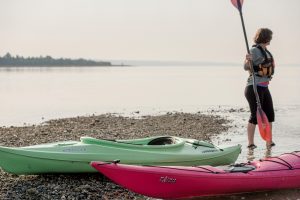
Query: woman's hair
x=263 y=35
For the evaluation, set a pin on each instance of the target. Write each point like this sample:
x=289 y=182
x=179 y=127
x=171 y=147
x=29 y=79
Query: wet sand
x=109 y=126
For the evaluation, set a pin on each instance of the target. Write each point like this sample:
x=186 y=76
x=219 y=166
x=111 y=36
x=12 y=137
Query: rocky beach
x=95 y=186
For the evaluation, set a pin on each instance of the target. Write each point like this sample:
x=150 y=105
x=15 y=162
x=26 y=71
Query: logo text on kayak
x=166 y=179
x=74 y=149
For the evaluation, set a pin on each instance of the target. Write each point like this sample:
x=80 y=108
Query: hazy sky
x=183 y=30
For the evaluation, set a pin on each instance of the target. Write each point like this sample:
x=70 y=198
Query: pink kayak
x=282 y=172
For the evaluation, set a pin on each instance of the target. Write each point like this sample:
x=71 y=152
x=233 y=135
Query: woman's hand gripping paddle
x=262 y=120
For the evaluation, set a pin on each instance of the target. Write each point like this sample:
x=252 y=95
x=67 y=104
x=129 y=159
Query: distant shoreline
x=61 y=66
x=19 y=61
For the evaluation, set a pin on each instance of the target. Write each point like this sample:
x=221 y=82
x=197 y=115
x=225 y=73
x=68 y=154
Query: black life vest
x=266 y=68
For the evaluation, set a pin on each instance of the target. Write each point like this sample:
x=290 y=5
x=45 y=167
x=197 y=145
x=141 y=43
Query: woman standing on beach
x=263 y=66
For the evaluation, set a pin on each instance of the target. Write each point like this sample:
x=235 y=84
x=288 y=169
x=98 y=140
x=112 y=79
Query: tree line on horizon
x=19 y=61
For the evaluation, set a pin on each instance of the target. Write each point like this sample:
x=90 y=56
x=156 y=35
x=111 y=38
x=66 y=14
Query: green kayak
x=74 y=156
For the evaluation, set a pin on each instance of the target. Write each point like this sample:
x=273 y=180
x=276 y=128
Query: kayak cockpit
x=150 y=142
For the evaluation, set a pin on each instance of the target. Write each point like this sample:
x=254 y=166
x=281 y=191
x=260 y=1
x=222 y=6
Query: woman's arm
x=255 y=56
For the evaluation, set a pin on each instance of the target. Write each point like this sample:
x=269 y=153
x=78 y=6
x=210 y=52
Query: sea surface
x=31 y=95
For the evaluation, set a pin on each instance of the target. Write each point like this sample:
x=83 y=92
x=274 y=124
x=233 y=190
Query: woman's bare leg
x=251 y=131
x=269 y=144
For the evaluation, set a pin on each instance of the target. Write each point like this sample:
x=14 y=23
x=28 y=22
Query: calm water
x=33 y=95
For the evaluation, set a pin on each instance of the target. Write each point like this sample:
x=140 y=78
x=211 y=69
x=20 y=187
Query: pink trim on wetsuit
x=263 y=84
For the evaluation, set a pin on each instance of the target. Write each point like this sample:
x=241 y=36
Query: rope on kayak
x=116 y=161
x=192 y=170
x=285 y=163
x=198 y=145
x=293 y=153
x=109 y=162
x=211 y=171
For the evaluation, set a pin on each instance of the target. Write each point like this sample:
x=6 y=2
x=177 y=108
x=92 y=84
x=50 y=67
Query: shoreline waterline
x=209 y=126
x=102 y=126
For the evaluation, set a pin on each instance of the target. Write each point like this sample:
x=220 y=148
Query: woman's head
x=263 y=36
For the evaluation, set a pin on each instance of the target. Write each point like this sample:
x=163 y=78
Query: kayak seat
x=163 y=141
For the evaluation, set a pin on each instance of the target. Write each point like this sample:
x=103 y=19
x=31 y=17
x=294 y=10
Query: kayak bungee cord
x=211 y=171
x=191 y=170
x=293 y=153
x=199 y=145
x=109 y=162
x=285 y=162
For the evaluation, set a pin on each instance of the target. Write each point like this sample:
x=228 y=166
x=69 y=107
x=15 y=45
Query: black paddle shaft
x=251 y=64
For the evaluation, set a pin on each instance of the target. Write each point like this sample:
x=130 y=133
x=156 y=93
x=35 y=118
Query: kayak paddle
x=262 y=120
